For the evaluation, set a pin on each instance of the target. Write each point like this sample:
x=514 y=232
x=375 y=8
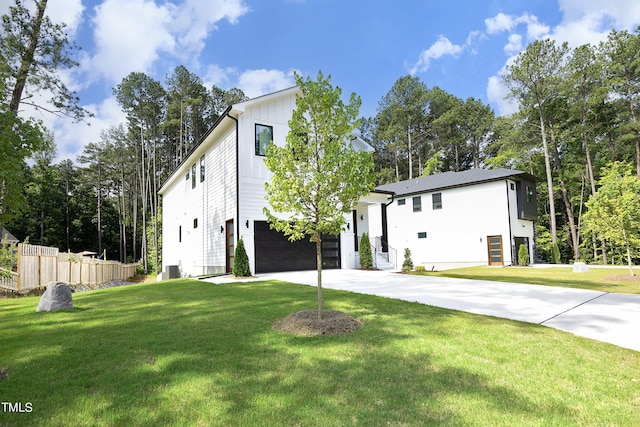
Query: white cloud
x=131 y=35
x=440 y=48
x=72 y=137
x=218 y=76
x=259 y=82
x=496 y=93
x=500 y=23
x=515 y=44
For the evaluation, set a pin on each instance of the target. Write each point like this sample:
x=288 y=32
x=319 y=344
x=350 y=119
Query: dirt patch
x=307 y=323
x=623 y=278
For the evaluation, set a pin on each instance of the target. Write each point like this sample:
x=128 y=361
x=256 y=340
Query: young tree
x=614 y=211
x=317 y=176
x=366 y=259
x=241 y=261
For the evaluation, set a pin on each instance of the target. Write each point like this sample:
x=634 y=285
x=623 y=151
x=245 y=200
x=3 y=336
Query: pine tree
x=241 y=261
x=523 y=255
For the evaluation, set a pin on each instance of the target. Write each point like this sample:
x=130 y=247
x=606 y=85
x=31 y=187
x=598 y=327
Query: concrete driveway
x=607 y=317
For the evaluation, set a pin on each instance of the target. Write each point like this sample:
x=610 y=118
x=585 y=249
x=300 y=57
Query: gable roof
x=6 y=236
x=446 y=180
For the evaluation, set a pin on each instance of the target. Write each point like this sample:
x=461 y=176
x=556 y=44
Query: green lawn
x=595 y=279
x=188 y=353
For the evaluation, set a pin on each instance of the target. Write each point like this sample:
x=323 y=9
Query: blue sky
x=460 y=46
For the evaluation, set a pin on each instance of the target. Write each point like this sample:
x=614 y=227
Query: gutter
x=237 y=224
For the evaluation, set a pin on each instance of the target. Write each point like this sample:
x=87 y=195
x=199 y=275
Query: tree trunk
x=592 y=181
x=626 y=242
x=28 y=57
x=565 y=198
x=410 y=149
x=547 y=165
x=319 y=261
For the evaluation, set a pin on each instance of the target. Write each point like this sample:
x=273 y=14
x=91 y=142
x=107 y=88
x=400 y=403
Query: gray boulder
x=580 y=267
x=57 y=297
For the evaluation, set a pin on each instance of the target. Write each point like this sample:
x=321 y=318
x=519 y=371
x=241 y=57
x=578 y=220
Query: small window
x=401 y=202
x=512 y=186
x=436 y=200
x=417 y=204
x=188 y=174
x=201 y=168
x=264 y=137
x=179 y=233
x=193 y=176
x=422 y=235
x=195 y=222
x=529 y=191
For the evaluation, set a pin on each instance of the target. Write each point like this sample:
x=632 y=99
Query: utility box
x=173 y=272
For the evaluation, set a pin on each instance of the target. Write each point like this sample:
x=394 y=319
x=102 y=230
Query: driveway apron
x=612 y=318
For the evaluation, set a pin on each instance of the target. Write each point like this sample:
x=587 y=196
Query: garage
x=274 y=252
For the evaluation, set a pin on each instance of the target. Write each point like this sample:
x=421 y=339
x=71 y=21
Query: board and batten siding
x=275 y=112
x=201 y=250
x=456 y=234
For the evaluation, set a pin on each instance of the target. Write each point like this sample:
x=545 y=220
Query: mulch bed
x=623 y=278
x=306 y=323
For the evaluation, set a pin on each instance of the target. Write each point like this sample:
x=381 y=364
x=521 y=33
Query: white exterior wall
x=519 y=227
x=212 y=202
x=457 y=233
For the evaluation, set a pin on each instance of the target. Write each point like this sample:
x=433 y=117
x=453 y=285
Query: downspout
x=509 y=217
x=237 y=223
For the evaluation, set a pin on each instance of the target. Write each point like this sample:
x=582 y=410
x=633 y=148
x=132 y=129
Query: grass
x=594 y=279
x=186 y=353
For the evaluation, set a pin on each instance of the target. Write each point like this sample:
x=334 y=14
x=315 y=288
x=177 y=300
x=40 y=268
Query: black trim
x=237 y=172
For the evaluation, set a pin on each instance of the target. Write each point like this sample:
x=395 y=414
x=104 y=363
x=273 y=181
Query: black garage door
x=274 y=251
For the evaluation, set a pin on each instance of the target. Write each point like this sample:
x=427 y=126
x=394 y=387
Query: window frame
x=202 y=169
x=402 y=202
x=436 y=201
x=417 y=207
x=258 y=141
x=193 y=176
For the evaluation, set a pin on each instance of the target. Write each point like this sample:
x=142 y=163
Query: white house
x=456 y=219
x=217 y=194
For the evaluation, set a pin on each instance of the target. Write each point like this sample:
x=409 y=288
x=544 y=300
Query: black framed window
x=422 y=234
x=195 y=222
x=417 y=204
x=436 y=200
x=401 y=202
x=529 y=192
x=193 y=176
x=202 y=169
x=264 y=137
x=179 y=233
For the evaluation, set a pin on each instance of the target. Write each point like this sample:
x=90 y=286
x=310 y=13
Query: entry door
x=230 y=243
x=494 y=244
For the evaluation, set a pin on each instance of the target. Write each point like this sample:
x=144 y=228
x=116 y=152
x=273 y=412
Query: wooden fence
x=39 y=265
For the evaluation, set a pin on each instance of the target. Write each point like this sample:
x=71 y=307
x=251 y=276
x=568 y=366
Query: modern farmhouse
x=217 y=194
x=456 y=219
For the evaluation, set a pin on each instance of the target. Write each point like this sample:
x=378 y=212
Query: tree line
x=577 y=114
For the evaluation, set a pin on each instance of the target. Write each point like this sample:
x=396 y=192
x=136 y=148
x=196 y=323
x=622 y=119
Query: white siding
x=457 y=233
x=211 y=202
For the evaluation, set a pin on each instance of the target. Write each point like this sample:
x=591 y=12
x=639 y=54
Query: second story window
x=201 y=168
x=417 y=204
x=264 y=136
x=193 y=176
x=436 y=200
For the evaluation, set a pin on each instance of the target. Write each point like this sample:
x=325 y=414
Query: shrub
x=421 y=268
x=407 y=265
x=241 y=261
x=523 y=255
x=366 y=259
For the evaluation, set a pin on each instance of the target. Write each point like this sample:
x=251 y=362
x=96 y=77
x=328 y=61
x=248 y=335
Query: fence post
x=19 y=267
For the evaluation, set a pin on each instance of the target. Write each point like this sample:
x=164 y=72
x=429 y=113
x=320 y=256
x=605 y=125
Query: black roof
x=445 y=180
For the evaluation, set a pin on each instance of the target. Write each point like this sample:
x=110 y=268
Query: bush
x=523 y=255
x=366 y=259
x=421 y=268
x=241 y=261
x=407 y=265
